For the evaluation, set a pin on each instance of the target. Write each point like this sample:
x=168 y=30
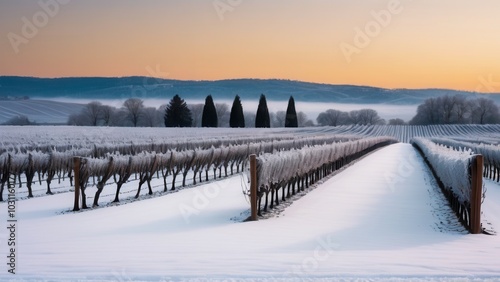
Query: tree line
x=440 y=110
x=177 y=113
x=333 y=117
x=456 y=110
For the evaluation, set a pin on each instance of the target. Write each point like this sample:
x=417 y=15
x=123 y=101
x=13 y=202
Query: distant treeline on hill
x=177 y=113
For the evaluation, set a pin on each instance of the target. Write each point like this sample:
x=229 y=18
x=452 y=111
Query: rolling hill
x=277 y=90
x=52 y=100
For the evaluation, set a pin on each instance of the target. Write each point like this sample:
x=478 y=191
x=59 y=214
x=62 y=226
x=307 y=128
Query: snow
x=382 y=218
x=39 y=111
x=451 y=166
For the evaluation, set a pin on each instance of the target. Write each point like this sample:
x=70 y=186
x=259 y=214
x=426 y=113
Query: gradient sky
x=425 y=44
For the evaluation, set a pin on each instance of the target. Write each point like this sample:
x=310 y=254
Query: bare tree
x=107 y=114
x=196 y=113
x=79 y=119
x=19 y=120
x=93 y=112
x=447 y=106
x=303 y=120
x=427 y=113
x=223 y=114
x=456 y=109
x=354 y=117
x=396 y=121
x=151 y=117
x=120 y=118
x=462 y=110
x=133 y=107
x=76 y=119
x=278 y=119
x=249 y=119
x=332 y=118
x=368 y=117
x=484 y=111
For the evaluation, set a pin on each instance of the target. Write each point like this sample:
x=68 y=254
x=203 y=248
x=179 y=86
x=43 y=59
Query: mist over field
x=311 y=109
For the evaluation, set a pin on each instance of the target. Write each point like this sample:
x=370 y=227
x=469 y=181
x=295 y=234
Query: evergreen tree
x=209 y=116
x=237 y=119
x=177 y=113
x=291 y=115
x=262 y=119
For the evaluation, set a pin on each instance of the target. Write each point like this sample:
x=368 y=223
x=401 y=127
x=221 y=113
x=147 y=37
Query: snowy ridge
x=451 y=166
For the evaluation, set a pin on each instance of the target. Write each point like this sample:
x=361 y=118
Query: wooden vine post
x=253 y=187
x=477 y=191
x=76 y=162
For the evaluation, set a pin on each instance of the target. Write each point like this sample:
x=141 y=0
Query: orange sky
x=389 y=43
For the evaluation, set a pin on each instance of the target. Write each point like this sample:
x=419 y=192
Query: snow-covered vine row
x=44 y=165
x=404 y=133
x=490 y=152
x=457 y=176
x=121 y=161
x=61 y=138
x=306 y=165
x=132 y=140
x=452 y=167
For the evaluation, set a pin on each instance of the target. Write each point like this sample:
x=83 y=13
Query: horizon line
x=247 y=78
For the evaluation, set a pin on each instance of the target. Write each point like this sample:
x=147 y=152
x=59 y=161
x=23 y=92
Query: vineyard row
x=491 y=154
x=458 y=176
x=119 y=163
x=295 y=170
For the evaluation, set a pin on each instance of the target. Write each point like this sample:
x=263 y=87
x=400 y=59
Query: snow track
x=383 y=218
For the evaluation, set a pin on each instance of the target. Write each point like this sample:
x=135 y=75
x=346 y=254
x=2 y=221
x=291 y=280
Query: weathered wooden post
x=76 y=162
x=477 y=191
x=253 y=187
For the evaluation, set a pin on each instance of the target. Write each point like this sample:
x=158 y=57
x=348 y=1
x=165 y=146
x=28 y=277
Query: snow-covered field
x=383 y=218
x=87 y=136
x=39 y=111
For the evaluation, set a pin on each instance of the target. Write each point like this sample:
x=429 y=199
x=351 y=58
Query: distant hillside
x=38 y=111
x=278 y=90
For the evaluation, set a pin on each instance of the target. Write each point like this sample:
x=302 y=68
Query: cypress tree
x=237 y=119
x=177 y=113
x=291 y=115
x=209 y=116
x=262 y=119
